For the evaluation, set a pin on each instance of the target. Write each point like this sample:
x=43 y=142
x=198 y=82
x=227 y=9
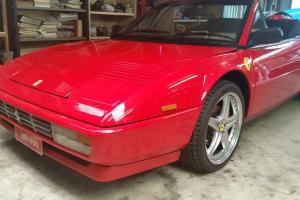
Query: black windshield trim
x=179 y=42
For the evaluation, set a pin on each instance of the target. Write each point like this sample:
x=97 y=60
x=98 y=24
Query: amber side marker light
x=71 y=139
x=169 y=107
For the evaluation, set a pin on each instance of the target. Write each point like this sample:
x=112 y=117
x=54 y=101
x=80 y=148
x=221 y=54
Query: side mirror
x=266 y=36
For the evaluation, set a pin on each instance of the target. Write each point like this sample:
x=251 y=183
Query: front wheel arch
x=242 y=82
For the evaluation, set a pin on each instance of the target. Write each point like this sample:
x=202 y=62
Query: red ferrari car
x=175 y=85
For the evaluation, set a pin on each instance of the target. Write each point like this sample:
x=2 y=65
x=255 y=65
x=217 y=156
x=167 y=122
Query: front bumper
x=117 y=152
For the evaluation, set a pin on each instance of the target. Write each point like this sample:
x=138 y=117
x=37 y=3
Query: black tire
x=194 y=156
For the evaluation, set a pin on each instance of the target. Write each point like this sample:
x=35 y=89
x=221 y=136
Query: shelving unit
x=25 y=45
x=89 y=18
x=108 y=19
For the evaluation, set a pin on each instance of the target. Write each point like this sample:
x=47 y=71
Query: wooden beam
x=4 y=34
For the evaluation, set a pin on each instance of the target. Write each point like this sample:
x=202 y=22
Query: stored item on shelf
x=78 y=28
x=97 y=6
x=65 y=34
x=108 y=8
x=29 y=27
x=66 y=17
x=29 y=33
x=100 y=5
x=63 y=25
x=129 y=8
x=74 y=4
x=73 y=28
x=48 y=29
x=49 y=35
x=30 y=20
x=42 y=3
x=52 y=20
x=120 y=8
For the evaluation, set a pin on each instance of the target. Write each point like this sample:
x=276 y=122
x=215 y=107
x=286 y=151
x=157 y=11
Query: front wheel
x=218 y=129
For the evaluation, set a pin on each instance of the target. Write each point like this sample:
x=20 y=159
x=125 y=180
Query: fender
x=222 y=65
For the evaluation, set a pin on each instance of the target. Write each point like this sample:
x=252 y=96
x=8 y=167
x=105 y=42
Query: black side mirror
x=266 y=36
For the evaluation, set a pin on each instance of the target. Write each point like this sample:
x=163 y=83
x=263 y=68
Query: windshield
x=206 y=21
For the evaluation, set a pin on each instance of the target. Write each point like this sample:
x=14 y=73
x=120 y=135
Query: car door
x=276 y=70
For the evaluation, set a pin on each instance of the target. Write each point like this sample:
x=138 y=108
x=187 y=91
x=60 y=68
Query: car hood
x=103 y=73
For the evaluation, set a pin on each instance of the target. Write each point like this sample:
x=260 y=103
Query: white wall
x=296 y=4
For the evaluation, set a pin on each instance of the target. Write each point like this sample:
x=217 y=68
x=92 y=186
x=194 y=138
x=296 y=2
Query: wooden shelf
x=100 y=38
x=190 y=20
x=32 y=8
x=112 y=13
x=51 y=39
x=21 y=45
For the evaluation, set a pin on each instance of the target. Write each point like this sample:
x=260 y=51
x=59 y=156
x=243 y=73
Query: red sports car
x=175 y=85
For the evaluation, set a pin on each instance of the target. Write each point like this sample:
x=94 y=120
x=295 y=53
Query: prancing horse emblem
x=248 y=64
x=37 y=83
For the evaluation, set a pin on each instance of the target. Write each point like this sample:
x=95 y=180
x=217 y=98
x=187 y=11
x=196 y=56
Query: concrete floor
x=265 y=166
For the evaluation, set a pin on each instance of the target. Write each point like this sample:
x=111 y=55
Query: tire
x=199 y=155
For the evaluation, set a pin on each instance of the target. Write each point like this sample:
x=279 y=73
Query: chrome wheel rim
x=224 y=128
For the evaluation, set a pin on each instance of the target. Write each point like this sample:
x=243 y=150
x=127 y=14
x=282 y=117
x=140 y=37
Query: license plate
x=30 y=140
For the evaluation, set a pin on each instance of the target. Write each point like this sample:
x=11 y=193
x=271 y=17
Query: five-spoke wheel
x=218 y=129
x=224 y=128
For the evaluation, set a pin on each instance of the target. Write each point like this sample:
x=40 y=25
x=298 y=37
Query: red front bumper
x=119 y=151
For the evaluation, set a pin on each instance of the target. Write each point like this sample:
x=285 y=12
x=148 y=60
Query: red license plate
x=30 y=140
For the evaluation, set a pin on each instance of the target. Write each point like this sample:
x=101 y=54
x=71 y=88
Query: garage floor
x=266 y=166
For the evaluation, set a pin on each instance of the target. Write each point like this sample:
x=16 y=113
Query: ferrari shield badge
x=247 y=64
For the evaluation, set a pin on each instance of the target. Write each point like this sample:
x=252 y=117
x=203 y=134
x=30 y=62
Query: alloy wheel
x=224 y=128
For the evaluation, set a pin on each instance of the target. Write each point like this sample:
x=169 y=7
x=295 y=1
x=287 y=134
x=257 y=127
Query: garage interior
x=265 y=166
x=89 y=23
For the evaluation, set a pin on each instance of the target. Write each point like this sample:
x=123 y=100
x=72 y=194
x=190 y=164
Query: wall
x=286 y=4
x=296 y=4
